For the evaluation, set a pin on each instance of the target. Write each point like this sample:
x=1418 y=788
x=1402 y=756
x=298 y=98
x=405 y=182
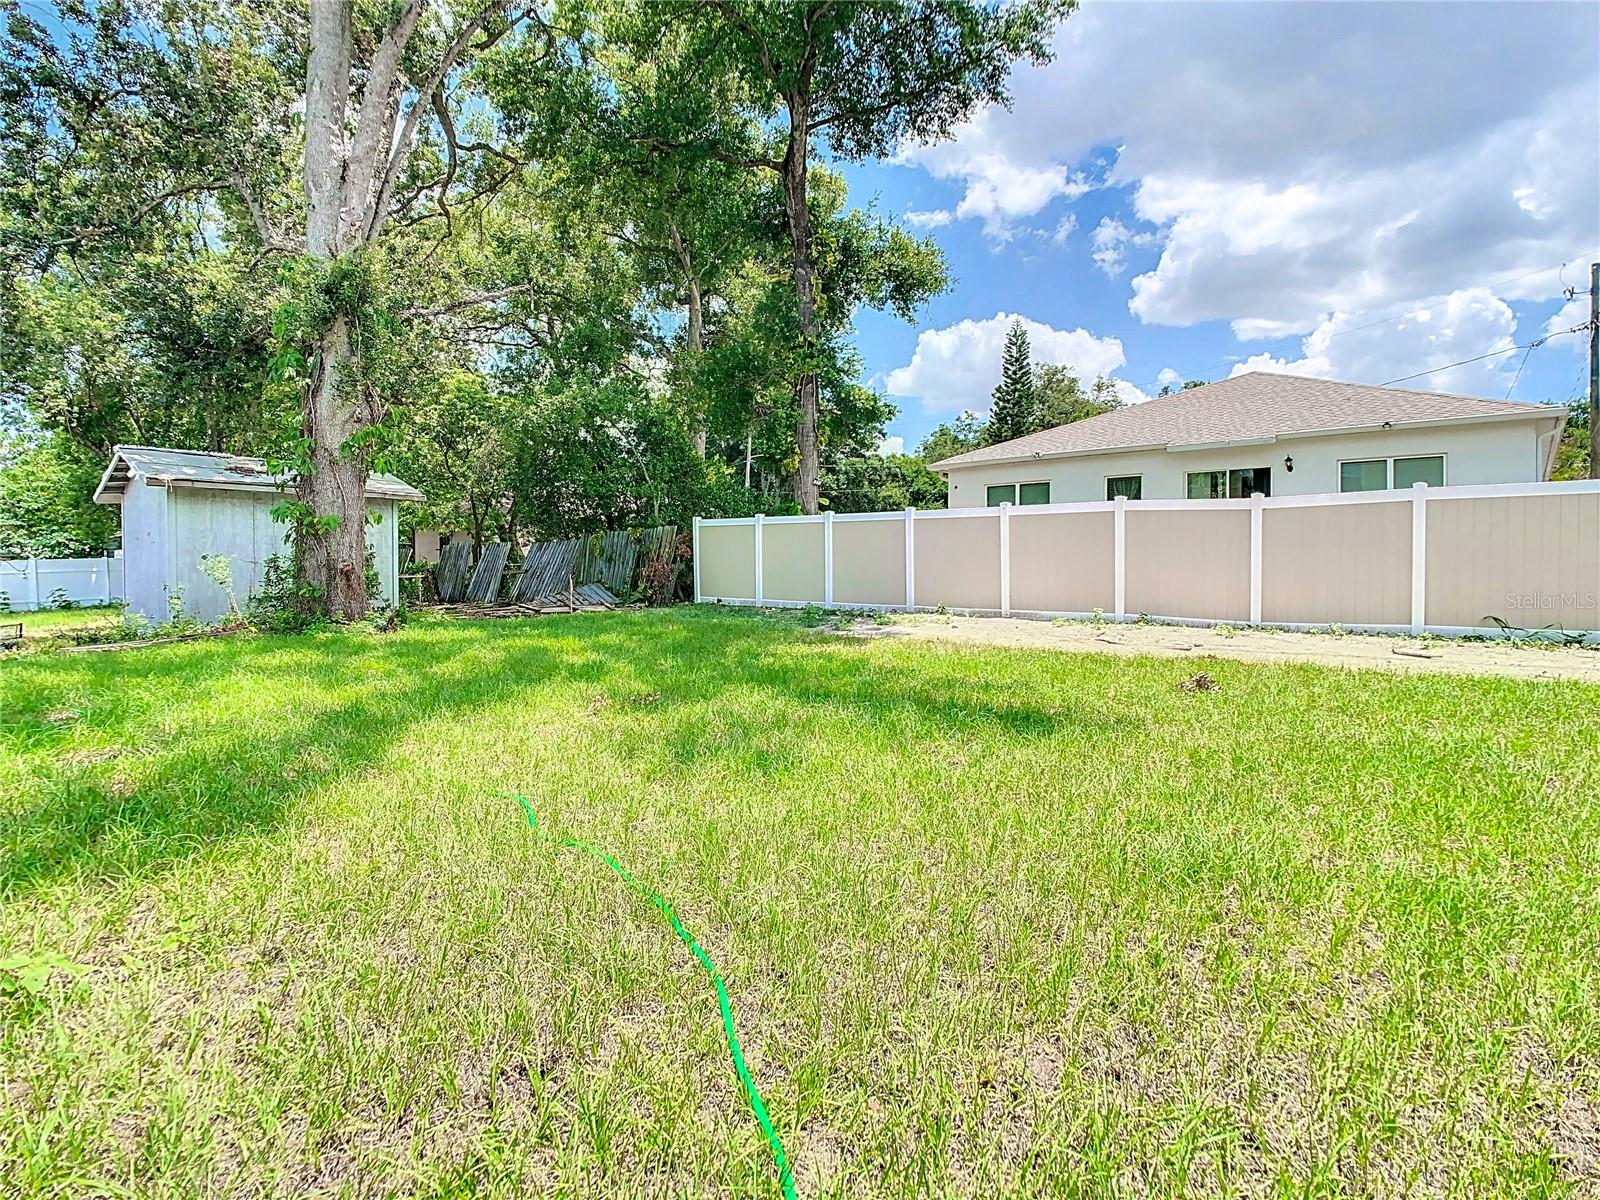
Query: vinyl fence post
x=911 y=560
x=105 y=575
x=827 y=559
x=33 y=582
x=1119 y=554
x=758 y=558
x=1419 y=556
x=1257 y=503
x=1005 y=560
x=694 y=551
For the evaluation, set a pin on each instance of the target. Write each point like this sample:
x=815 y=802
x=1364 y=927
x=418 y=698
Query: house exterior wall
x=1493 y=452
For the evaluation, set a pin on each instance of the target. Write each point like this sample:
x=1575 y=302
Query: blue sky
x=1357 y=191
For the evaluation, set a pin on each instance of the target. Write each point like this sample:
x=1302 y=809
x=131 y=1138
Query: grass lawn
x=994 y=922
x=54 y=620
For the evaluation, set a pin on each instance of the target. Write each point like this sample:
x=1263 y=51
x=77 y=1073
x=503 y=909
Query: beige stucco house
x=1282 y=435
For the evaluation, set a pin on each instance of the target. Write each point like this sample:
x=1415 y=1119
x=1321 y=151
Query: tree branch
x=378 y=102
x=378 y=205
x=271 y=239
x=439 y=310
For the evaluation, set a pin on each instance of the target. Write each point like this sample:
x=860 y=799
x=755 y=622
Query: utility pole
x=1594 y=370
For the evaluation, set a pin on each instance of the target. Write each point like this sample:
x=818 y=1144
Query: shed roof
x=1257 y=406
x=199 y=468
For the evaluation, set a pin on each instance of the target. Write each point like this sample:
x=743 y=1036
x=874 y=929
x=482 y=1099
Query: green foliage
x=880 y=483
x=611 y=456
x=1572 y=455
x=1013 y=410
x=1060 y=398
x=278 y=605
x=46 y=505
x=953 y=438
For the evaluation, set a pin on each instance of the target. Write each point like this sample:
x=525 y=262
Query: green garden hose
x=779 y=1160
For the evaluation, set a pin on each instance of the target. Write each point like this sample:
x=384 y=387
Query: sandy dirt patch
x=1377 y=652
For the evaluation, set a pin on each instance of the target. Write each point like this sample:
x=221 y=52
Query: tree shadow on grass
x=143 y=798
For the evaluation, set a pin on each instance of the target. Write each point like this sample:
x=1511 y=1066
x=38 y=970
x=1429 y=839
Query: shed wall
x=145 y=549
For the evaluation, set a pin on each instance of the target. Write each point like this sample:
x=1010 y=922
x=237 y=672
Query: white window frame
x=1016 y=491
x=1388 y=461
x=1105 y=481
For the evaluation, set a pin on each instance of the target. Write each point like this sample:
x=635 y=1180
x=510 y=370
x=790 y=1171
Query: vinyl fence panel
x=869 y=562
x=1063 y=562
x=30 y=583
x=958 y=562
x=1451 y=559
x=728 y=559
x=1532 y=561
x=1337 y=564
x=791 y=561
x=1189 y=563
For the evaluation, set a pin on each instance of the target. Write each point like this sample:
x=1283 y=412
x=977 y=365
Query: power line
x=1423 y=308
x=1411 y=312
x=1492 y=354
x=1532 y=346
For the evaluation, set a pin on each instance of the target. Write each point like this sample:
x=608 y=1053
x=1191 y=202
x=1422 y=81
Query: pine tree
x=1012 y=413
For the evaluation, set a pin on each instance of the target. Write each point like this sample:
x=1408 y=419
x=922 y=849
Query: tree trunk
x=799 y=220
x=332 y=542
x=696 y=342
x=695 y=333
x=331 y=538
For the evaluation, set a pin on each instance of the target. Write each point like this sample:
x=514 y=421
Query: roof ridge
x=1249 y=404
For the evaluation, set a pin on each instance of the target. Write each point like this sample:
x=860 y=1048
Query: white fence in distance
x=34 y=583
x=1449 y=560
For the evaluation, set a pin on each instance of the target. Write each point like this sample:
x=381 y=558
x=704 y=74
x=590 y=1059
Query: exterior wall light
x=1288 y=463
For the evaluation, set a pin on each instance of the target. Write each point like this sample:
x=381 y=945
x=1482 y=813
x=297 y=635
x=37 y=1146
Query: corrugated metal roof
x=198 y=468
x=1256 y=406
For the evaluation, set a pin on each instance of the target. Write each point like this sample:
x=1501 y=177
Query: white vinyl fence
x=1445 y=560
x=30 y=583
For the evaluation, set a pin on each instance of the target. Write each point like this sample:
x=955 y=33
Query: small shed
x=180 y=505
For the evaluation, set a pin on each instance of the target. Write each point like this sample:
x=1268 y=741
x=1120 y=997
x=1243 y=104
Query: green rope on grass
x=779 y=1160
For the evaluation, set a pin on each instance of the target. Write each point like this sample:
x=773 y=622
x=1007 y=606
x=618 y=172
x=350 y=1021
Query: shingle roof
x=198 y=468
x=1257 y=406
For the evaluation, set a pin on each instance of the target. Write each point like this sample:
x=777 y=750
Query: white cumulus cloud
x=894 y=444
x=1446 y=331
x=956 y=368
x=1110 y=239
x=930 y=219
x=1300 y=160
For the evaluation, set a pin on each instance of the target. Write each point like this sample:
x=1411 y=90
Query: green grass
x=994 y=922
x=55 y=620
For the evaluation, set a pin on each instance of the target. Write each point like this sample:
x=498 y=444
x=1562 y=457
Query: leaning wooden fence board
x=1452 y=560
x=451 y=575
x=547 y=568
x=608 y=558
x=485 y=585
